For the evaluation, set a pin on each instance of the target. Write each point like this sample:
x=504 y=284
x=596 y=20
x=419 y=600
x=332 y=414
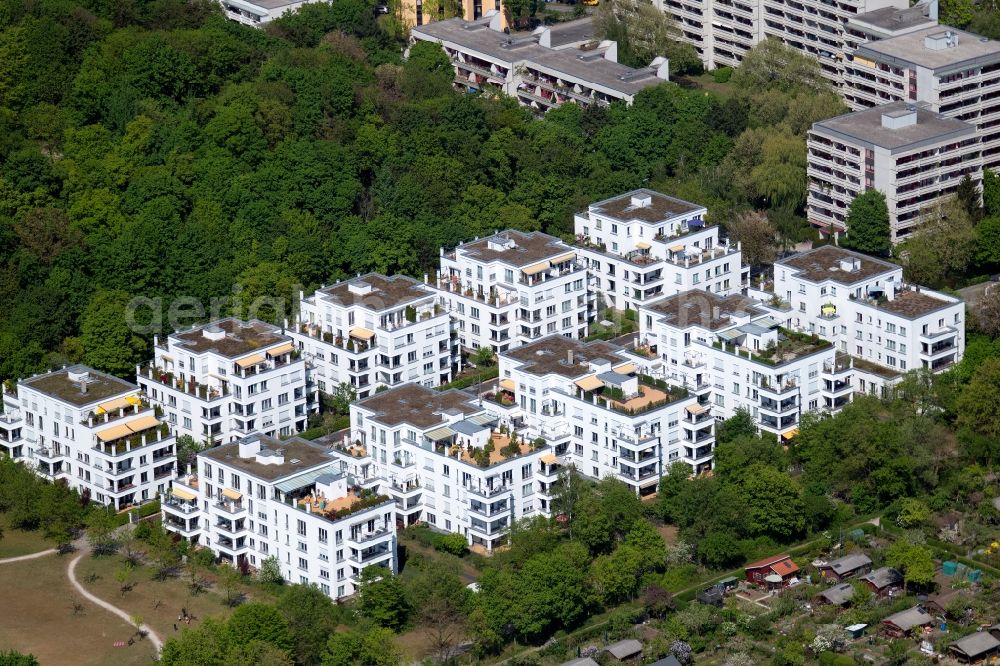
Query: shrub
x=722 y=74
x=450 y=543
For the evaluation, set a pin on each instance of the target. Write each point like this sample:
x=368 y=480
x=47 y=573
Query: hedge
x=471 y=380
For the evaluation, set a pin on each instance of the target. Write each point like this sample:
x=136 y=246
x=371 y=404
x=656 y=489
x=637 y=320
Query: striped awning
x=362 y=333
x=508 y=384
x=591 y=383
x=535 y=268
x=439 y=434
x=676 y=248
x=113 y=433
x=643 y=245
x=549 y=459
x=626 y=369
x=569 y=256
x=143 y=423
x=182 y=494
x=248 y=361
x=113 y=405
x=283 y=349
x=232 y=494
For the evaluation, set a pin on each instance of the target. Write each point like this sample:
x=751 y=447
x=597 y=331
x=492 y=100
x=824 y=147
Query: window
x=301 y=527
x=303 y=564
x=323 y=535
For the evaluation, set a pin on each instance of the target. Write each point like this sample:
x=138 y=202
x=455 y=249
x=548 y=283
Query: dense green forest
x=155 y=149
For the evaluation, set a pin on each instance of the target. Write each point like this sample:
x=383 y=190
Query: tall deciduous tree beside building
x=868 y=227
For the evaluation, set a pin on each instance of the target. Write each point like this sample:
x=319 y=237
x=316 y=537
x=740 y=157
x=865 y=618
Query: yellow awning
x=182 y=494
x=626 y=369
x=569 y=256
x=247 y=361
x=113 y=405
x=676 y=248
x=362 y=333
x=113 y=433
x=791 y=433
x=232 y=494
x=591 y=383
x=283 y=349
x=549 y=459
x=508 y=384
x=535 y=268
x=643 y=245
x=143 y=423
x=134 y=400
x=696 y=408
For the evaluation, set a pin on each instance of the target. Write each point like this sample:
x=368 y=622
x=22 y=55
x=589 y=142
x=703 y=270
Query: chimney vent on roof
x=716 y=313
x=214 y=333
x=900 y=118
x=569 y=357
x=938 y=41
x=850 y=264
x=359 y=287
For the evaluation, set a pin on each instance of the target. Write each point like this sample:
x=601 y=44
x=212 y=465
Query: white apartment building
x=542 y=69
x=884 y=23
x=448 y=462
x=221 y=381
x=956 y=72
x=513 y=287
x=374 y=331
x=863 y=306
x=598 y=408
x=292 y=500
x=914 y=156
x=94 y=431
x=732 y=353
x=258 y=13
x=721 y=31
x=642 y=245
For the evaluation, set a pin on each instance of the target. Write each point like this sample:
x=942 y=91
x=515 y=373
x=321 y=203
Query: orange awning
x=535 y=268
x=362 y=333
x=549 y=459
x=143 y=423
x=696 y=408
x=113 y=433
x=626 y=369
x=113 y=405
x=507 y=384
x=591 y=383
x=791 y=433
x=676 y=248
x=643 y=245
x=248 y=361
x=283 y=349
x=569 y=256
x=182 y=494
x=232 y=494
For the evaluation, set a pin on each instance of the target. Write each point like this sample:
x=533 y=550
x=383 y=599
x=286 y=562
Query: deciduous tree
x=868 y=227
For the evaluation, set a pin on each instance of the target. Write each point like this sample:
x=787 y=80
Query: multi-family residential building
x=293 y=500
x=542 y=69
x=864 y=307
x=95 y=432
x=448 y=462
x=721 y=31
x=374 y=331
x=416 y=13
x=733 y=354
x=884 y=23
x=913 y=155
x=514 y=287
x=955 y=72
x=258 y=13
x=223 y=380
x=642 y=245
x=599 y=408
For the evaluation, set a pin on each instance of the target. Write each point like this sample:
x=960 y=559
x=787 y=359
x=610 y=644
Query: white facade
x=734 y=354
x=543 y=69
x=599 y=409
x=93 y=431
x=224 y=380
x=514 y=287
x=429 y=446
x=258 y=13
x=642 y=245
x=293 y=500
x=863 y=306
x=956 y=73
x=375 y=331
x=914 y=156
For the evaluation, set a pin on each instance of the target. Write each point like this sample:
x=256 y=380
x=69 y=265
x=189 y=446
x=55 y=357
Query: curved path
x=21 y=558
x=71 y=570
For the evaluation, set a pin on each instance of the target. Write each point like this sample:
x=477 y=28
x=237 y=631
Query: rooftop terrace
x=418 y=405
x=79 y=385
x=230 y=337
x=702 y=308
x=375 y=292
x=825 y=263
x=299 y=455
x=644 y=205
x=912 y=304
x=514 y=248
x=563 y=356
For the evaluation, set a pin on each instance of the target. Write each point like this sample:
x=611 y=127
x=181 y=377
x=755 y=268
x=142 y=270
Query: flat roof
x=417 y=405
x=891 y=19
x=696 y=307
x=910 y=49
x=660 y=209
x=865 y=127
x=823 y=263
x=241 y=337
x=529 y=248
x=572 y=32
x=589 y=66
x=58 y=384
x=385 y=292
x=910 y=303
x=550 y=356
x=300 y=455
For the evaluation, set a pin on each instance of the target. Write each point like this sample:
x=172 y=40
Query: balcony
x=233 y=546
x=488 y=491
x=203 y=392
x=489 y=510
x=186 y=528
x=776 y=407
x=230 y=527
x=232 y=507
x=370 y=555
x=366 y=536
x=178 y=506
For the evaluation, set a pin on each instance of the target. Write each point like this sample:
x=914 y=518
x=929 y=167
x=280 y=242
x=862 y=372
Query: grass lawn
x=172 y=594
x=36 y=617
x=707 y=83
x=14 y=543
